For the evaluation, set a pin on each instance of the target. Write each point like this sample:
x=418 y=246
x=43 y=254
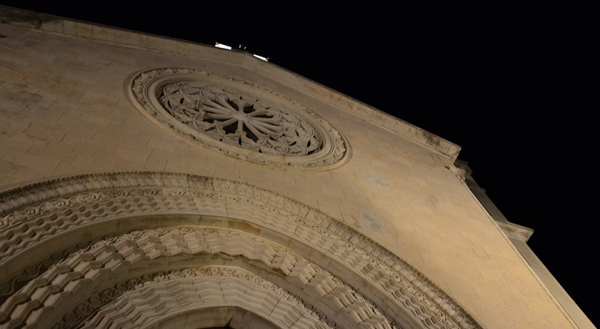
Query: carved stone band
x=238 y=118
x=139 y=260
x=39 y=219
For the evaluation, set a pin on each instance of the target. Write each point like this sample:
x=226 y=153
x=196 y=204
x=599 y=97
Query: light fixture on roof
x=266 y=59
x=222 y=46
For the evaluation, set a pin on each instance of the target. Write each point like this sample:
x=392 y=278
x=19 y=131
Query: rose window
x=239 y=119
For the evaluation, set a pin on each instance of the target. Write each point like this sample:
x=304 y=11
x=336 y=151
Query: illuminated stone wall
x=396 y=197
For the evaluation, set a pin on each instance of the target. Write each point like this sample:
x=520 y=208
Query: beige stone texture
x=64 y=112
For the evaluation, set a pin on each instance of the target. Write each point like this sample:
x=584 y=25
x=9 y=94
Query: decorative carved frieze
x=115 y=258
x=36 y=213
x=144 y=249
x=194 y=288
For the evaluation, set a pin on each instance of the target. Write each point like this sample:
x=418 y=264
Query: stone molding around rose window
x=238 y=118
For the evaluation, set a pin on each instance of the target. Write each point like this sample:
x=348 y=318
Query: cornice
x=515 y=231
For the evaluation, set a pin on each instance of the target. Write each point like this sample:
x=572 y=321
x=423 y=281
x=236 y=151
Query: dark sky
x=516 y=85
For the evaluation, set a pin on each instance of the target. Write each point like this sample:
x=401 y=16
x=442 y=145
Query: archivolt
x=43 y=218
x=217 y=289
x=200 y=316
x=159 y=255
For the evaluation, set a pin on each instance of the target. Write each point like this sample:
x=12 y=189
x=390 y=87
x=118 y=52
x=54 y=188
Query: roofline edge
x=98 y=32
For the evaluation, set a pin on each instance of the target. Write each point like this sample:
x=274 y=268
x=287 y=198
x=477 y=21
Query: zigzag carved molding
x=201 y=288
x=37 y=215
x=145 y=301
x=138 y=255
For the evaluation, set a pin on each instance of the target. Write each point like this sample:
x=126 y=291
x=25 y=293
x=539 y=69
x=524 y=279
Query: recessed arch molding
x=61 y=240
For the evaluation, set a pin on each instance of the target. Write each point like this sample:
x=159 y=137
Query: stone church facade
x=153 y=183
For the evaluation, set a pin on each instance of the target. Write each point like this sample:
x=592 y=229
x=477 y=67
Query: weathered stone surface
x=65 y=113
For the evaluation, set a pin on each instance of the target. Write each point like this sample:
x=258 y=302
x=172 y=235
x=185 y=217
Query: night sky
x=516 y=85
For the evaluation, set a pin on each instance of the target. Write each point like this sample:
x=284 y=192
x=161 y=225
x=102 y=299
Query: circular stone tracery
x=238 y=118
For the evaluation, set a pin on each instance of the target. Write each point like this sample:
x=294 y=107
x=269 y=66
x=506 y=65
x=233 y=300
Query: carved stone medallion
x=238 y=118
